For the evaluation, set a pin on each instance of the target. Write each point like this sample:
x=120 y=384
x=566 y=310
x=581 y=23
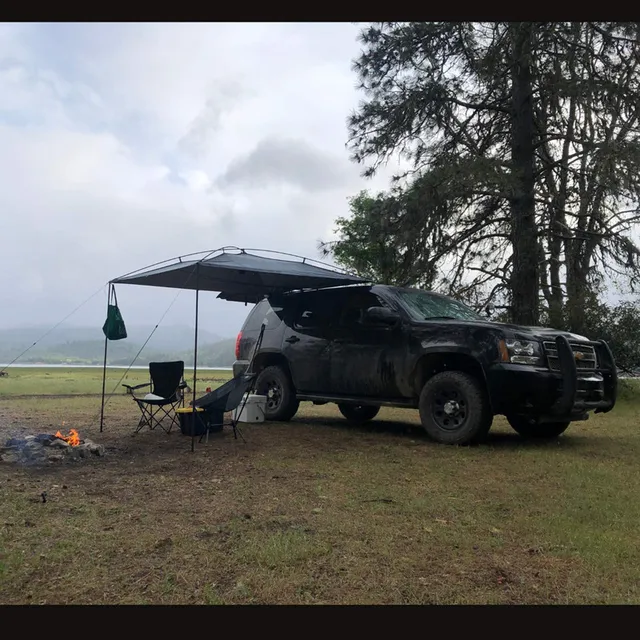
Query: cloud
x=125 y=144
x=282 y=160
x=197 y=141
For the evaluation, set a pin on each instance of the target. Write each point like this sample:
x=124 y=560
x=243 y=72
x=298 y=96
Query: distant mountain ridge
x=171 y=337
x=85 y=345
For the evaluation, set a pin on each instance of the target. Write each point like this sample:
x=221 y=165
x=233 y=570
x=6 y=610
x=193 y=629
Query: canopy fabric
x=240 y=277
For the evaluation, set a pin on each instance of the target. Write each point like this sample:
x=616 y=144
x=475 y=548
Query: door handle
x=292 y=339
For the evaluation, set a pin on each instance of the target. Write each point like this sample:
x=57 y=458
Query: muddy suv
x=364 y=347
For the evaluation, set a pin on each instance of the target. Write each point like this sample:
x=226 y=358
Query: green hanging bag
x=114 y=327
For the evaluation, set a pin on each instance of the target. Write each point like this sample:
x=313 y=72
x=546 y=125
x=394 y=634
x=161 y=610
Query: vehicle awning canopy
x=240 y=275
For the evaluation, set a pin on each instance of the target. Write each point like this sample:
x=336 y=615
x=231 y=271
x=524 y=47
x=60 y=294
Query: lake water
x=99 y=366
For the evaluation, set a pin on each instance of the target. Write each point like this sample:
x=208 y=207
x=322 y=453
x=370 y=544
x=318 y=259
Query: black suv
x=363 y=347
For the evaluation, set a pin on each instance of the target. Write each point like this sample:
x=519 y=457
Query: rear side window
x=315 y=311
x=263 y=310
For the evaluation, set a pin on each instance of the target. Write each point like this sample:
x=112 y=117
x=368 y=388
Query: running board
x=377 y=402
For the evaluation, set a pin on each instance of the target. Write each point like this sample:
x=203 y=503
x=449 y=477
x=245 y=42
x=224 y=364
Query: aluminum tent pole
x=195 y=363
x=104 y=364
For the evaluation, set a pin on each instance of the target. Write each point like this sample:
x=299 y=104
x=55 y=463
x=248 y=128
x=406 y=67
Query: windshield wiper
x=439 y=318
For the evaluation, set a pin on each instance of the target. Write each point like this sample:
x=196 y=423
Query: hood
x=545 y=333
x=540 y=333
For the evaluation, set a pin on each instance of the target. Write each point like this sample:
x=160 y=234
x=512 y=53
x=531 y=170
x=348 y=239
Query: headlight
x=521 y=351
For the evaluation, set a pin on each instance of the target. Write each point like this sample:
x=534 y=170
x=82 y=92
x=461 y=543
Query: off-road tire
x=540 y=431
x=473 y=415
x=358 y=413
x=275 y=383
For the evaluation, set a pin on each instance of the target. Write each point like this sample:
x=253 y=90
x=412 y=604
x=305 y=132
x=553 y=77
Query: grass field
x=313 y=511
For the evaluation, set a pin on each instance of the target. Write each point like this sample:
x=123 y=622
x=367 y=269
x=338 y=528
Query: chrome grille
x=587 y=361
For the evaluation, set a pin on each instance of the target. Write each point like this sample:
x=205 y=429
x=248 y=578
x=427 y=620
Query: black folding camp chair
x=167 y=393
x=229 y=396
x=222 y=400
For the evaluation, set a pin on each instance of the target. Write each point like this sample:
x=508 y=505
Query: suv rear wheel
x=358 y=413
x=274 y=383
x=454 y=408
x=530 y=428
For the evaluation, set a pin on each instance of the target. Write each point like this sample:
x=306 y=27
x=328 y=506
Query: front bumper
x=565 y=394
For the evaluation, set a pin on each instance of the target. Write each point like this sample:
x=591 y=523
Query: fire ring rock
x=46 y=447
x=96 y=449
x=59 y=444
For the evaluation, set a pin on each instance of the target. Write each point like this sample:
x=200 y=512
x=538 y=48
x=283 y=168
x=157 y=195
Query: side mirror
x=489 y=310
x=381 y=315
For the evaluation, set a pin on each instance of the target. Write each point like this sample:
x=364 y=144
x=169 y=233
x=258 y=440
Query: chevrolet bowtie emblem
x=579 y=355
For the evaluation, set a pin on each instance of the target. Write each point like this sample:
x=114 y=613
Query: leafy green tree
x=619 y=325
x=375 y=243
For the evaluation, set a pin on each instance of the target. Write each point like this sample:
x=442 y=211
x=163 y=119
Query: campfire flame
x=73 y=438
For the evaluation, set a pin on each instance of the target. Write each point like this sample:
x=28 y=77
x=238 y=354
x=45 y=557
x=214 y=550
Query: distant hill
x=85 y=345
x=217 y=354
x=169 y=337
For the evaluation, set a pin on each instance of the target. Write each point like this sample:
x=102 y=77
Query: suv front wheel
x=274 y=383
x=454 y=408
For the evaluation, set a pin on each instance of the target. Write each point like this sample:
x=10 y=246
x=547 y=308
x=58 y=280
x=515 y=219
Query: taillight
x=238 y=345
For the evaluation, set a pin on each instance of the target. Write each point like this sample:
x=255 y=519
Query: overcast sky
x=126 y=144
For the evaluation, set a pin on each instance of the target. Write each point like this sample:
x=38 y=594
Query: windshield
x=424 y=306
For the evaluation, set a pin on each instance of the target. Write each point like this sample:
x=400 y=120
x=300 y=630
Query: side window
x=313 y=313
x=352 y=314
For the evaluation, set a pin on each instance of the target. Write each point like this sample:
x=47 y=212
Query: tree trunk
x=525 y=279
x=556 y=307
x=555 y=301
x=576 y=296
